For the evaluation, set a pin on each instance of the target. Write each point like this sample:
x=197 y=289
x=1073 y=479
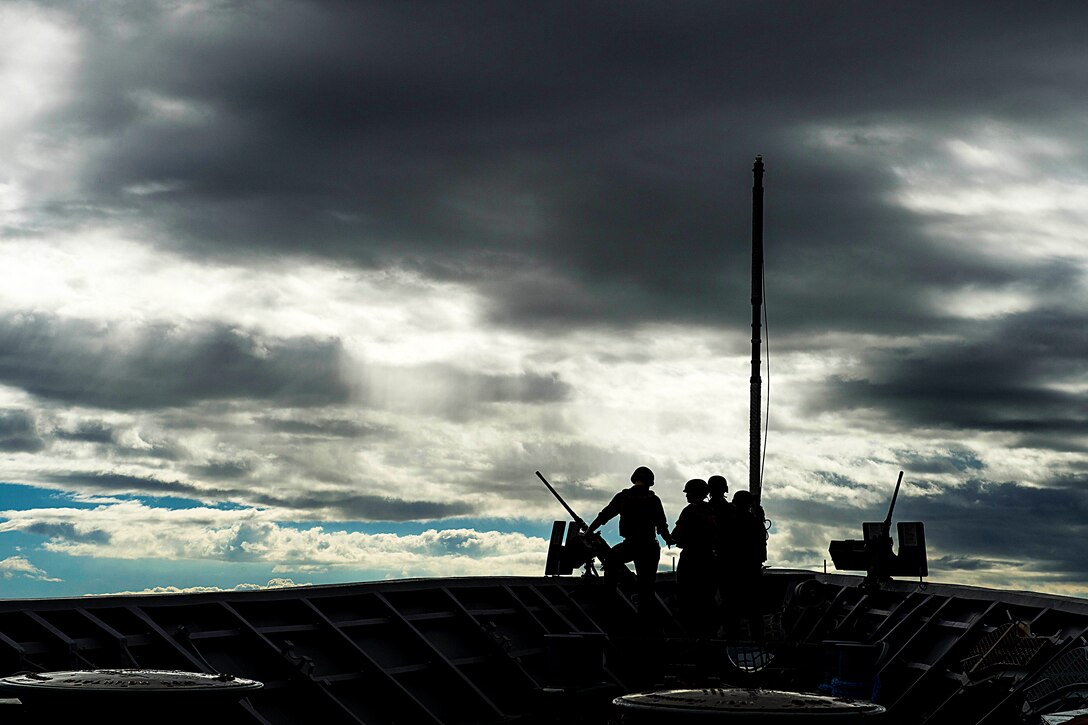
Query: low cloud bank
x=119 y=531
x=277 y=583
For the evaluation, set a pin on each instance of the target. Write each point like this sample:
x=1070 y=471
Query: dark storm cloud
x=90 y=431
x=581 y=162
x=839 y=480
x=456 y=393
x=964 y=563
x=222 y=470
x=84 y=363
x=124 y=484
x=336 y=505
x=1035 y=526
x=956 y=460
x=19 y=432
x=1003 y=379
x=68 y=532
x=325 y=428
x=511 y=388
x=360 y=507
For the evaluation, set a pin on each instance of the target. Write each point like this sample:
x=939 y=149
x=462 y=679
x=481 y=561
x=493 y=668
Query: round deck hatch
x=109 y=681
x=740 y=705
x=130 y=696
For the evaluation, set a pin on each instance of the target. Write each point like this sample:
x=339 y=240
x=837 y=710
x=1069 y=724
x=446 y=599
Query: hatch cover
x=740 y=703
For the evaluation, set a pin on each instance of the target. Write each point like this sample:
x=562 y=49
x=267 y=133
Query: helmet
x=697 y=486
x=743 y=498
x=718 y=485
x=643 y=474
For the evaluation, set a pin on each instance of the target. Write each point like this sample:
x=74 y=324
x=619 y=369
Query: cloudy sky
x=306 y=291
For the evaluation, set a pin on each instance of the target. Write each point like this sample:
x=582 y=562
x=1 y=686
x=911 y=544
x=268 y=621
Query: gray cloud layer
x=1005 y=378
x=604 y=148
x=582 y=167
x=338 y=505
x=85 y=363
x=18 y=432
x=81 y=362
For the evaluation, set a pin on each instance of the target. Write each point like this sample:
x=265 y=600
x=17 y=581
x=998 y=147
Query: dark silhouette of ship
x=555 y=648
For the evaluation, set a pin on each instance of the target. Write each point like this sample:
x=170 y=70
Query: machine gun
x=874 y=553
x=580 y=547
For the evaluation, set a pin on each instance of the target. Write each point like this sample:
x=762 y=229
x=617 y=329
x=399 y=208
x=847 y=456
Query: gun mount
x=578 y=549
x=874 y=554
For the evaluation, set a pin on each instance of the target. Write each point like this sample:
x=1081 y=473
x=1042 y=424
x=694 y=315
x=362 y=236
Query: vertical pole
x=755 y=483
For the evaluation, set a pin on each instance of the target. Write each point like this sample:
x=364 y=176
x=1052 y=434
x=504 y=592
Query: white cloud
x=952 y=195
x=988 y=187
x=1001 y=191
x=972 y=155
x=387 y=317
x=664 y=391
x=976 y=303
x=39 y=54
x=20 y=566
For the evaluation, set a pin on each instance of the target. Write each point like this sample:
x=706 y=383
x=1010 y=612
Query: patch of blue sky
x=18 y=543
x=80 y=576
x=22 y=497
x=177 y=503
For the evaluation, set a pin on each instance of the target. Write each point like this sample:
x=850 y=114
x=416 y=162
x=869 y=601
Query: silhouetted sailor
x=696 y=574
x=718 y=487
x=724 y=534
x=724 y=513
x=642 y=519
x=749 y=554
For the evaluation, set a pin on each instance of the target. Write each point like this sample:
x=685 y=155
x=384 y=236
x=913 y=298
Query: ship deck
x=537 y=649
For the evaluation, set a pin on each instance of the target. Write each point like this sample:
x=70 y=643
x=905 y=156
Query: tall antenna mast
x=755 y=478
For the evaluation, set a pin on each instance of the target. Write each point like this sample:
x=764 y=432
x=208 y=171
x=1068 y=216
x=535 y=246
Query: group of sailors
x=723 y=546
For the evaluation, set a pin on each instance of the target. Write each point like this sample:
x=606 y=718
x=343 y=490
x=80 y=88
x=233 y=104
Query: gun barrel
x=888 y=521
x=577 y=519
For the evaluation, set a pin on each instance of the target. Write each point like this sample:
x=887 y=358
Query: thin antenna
x=755 y=477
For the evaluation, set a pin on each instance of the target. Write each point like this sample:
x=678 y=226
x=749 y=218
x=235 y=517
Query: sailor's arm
x=608 y=513
x=678 y=530
x=662 y=524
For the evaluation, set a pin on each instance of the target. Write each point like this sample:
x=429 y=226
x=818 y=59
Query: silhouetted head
x=642 y=476
x=743 y=499
x=718 y=486
x=695 y=489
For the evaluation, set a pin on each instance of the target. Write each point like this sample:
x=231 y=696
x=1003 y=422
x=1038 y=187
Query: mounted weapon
x=874 y=553
x=579 y=549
